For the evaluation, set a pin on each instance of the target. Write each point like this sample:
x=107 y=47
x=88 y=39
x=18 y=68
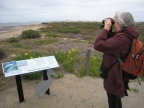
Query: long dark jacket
x=117 y=46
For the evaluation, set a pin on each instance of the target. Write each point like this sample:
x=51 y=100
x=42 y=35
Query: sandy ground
x=67 y=92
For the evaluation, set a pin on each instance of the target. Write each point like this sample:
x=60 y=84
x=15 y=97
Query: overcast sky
x=62 y=10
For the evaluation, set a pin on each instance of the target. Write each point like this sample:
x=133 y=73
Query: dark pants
x=114 y=101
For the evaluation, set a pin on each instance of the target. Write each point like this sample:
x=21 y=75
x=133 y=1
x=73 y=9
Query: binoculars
x=112 y=21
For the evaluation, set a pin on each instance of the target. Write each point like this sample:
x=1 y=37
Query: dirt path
x=69 y=92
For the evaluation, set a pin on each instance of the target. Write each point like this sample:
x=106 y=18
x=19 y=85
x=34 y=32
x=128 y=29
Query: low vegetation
x=13 y=39
x=30 y=45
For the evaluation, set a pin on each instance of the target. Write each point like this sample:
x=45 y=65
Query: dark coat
x=117 y=46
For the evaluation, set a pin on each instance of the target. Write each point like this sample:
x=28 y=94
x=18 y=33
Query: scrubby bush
x=13 y=39
x=30 y=34
x=95 y=63
x=17 y=45
x=67 y=59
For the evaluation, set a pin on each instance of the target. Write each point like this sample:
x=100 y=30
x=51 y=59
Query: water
x=13 y=26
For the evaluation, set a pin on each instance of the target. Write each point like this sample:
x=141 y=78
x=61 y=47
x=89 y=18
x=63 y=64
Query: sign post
x=45 y=77
x=19 y=88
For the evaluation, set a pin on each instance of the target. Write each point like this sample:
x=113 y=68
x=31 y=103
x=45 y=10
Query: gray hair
x=124 y=19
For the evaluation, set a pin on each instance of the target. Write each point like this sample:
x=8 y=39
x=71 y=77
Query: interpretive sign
x=13 y=68
x=16 y=68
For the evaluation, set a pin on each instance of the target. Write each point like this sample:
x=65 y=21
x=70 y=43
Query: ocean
x=13 y=26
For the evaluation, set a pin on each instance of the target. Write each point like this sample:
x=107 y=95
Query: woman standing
x=116 y=46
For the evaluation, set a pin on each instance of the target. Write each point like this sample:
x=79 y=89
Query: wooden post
x=45 y=77
x=88 y=52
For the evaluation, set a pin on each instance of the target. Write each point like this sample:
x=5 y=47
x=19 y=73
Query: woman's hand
x=108 y=24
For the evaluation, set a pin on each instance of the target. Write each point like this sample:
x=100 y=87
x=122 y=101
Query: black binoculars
x=103 y=22
x=112 y=21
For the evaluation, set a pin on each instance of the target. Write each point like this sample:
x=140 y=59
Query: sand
x=67 y=92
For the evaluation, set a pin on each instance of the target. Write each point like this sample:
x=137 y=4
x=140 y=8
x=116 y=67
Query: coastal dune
x=16 y=32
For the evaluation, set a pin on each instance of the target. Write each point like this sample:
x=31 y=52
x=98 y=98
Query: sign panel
x=29 y=65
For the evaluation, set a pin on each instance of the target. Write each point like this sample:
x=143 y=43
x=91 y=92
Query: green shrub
x=17 y=45
x=67 y=59
x=30 y=55
x=82 y=70
x=13 y=39
x=95 y=63
x=44 y=29
x=30 y=34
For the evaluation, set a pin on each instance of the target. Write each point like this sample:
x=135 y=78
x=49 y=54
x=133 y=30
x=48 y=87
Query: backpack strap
x=112 y=65
x=138 y=81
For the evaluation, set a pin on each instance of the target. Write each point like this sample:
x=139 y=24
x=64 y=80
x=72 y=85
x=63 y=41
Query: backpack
x=133 y=63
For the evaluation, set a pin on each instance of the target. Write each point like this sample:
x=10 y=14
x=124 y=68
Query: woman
x=116 y=46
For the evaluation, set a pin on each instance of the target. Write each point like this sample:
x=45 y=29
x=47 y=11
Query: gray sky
x=73 y=10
